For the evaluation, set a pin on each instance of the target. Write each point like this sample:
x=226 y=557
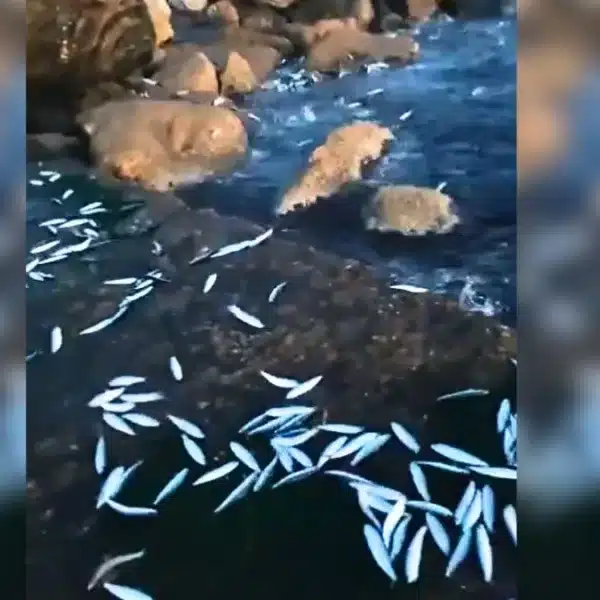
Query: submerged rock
x=160 y=144
x=160 y=13
x=345 y=47
x=409 y=210
x=189 y=70
x=337 y=162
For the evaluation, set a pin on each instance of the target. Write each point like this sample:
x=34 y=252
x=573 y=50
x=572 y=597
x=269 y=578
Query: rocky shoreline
x=384 y=354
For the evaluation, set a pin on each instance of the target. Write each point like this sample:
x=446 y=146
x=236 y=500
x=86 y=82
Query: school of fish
x=398 y=523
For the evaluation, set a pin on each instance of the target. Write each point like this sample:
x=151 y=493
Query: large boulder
x=76 y=45
x=335 y=164
x=160 y=144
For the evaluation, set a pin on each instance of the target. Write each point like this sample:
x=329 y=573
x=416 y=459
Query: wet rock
x=187 y=70
x=279 y=4
x=244 y=73
x=189 y=5
x=473 y=9
x=311 y=12
x=223 y=12
x=160 y=13
x=413 y=11
x=160 y=144
x=346 y=47
x=262 y=18
x=304 y=36
x=338 y=162
x=75 y=45
x=409 y=210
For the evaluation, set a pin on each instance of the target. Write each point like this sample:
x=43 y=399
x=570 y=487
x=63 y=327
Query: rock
x=223 y=12
x=409 y=210
x=187 y=70
x=160 y=144
x=339 y=161
x=244 y=73
x=304 y=36
x=261 y=18
x=343 y=48
x=413 y=11
x=309 y=12
x=279 y=4
x=189 y=5
x=75 y=45
x=473 y=9
x=160 y=13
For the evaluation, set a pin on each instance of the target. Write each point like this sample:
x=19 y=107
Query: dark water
x=306 y=540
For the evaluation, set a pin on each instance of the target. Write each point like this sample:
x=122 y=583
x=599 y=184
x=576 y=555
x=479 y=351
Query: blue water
x=461 y=130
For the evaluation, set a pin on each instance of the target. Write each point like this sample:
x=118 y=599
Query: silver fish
x=244 y=455
x=130 y=470
x=80 y=247
x=503 y=415
x=131 y=298
x=105 y=322
x=370 y=448
x=131 y=511
x=122 y=281
x=172 y=485
x=112 y=563
x=285 y=458
x=217 y=473
x=398 y=537
x=489 y=507
x=291 y=423
x=473 y=512
x=255 y=421
x=90 y=206
x=465 y=502
x=125 y=381
x=484 y=552
x=438 y=533
x=245 y=317
x=297 y=476
x=143 y=397
x=356 y=444
x=443 y=466
x=510 y=519
x=270 y=425
x=332 y=449
x=380 y=491
x=405 y=437
x=419 y=480
x=32 y=264
x=186 y=427
x=414 y=554
x=275 y=291
x=304 y=387
x=209 y=283
x=458 y=455
x=460 y=552
x=467 y=393
x=176 y=369
x=348 y=476
x=117 y=423
x=265 y=475
x=111 y=486
x=100 y=456
x=437 y=509
x=299 y=439
x=44 y=246
x=341 y=428
x=378 y=551
x=290 y=411
x=192 y=448
x=405 y=287
x=300 y=457
x=52 y=259
x=392 y=520
x=406 y=115
x=103 y=398
x=280 y=382
x=238 y=493
x=495 y=472
x=56 y=340
x=364 y=501
x=142 y=420
x=67 y=194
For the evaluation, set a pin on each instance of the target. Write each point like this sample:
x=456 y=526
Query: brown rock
x=280 y=4
x=261 y=18
x=164 y=143
x=247 y=69
x=304 y=36
x=343 y=47
x=413 y=11
x=187 y=70
x=337 y=162
x=160 y=13
x=223 y=12
x=309 y=12
x=409 y=210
